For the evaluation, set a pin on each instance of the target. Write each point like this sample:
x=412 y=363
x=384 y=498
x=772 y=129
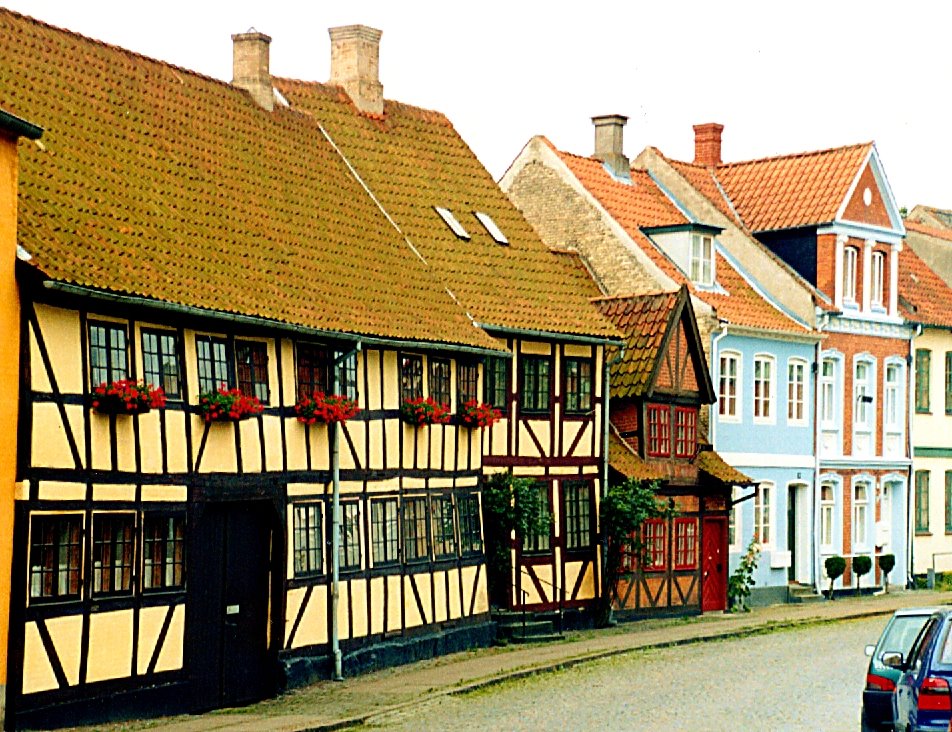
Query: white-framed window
x=828 y=392
x=877 y=270
x=827 y=513
x=728 y=387
x=861 y=493
x=734 y=523
x=849 y=275
x=864 y=395
x=765 y=389
x=894 y=382
x=796 y=392
x=702 y=259
x=763 y=514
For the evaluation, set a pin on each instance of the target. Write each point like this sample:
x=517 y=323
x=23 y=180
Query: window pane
x=496 y=373
x=308 y=539
x=415 y=540
x=444 y=530
x=349 y=554
x=313 y=370
x=470 y=530
x=55 y=556
x=440 y=381
x=411 y=377
x=252 y=364
x=384 y=536
x=578 y=521
x=107 y=353
x=163 y=550
x=467 y=383
x=112 y=553
x=578 y=385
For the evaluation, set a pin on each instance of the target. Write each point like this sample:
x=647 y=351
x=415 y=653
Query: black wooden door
x=228 y=604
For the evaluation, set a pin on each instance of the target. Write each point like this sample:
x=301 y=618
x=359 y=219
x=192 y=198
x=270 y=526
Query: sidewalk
x=332 y=705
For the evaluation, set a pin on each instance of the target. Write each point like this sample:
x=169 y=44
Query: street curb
x=549 y=666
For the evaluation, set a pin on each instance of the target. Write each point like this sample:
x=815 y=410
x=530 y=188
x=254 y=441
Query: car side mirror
x=869 y=650
x=893 y=659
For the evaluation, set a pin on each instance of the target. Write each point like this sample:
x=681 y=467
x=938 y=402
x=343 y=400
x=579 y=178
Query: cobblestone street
x=805 y=679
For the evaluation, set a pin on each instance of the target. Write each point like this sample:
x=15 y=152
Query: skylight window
x=494 y=231
x=450 y=220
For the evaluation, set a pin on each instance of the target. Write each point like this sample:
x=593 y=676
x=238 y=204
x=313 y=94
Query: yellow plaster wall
x=453 y=608
x=52 y=490
x=391 y=381
x=343 y=621
x=171 y=655
x=441 y=601
x=394 y=603
x=66 y=634
x=219 y=453
x=373 y=399
x=150 y=437
x=313 y=627
x=175 y=426
x=378 y=610
x=272 y=443
x=356 y=432
x=359 y=600
x=288 y=375
x=376 y=431
x=535 y=349
x=61 y=334
x=164 y=493
x=394 y=428
x=114 y=492
x=49 y=447
x=110 y=646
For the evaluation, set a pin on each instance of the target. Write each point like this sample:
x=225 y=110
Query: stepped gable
x=159 y=182
x=413 y=160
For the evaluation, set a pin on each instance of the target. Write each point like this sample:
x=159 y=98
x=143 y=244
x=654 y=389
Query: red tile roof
x=788 y=191
x=158 y=182
x=928 y=230
x=924 y=297
x=643 y=204
x=413 y=159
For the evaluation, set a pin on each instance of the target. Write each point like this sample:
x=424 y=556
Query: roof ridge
x=790 y=156
x=633 y=295
x=928 y=230
x=115 y=47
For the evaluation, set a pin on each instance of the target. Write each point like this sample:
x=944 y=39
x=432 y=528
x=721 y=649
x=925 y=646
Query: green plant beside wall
x=835 y=566
x=741 y=581
x=622 y=511
x=512 y=508
x=861 y=565
x=887 y=562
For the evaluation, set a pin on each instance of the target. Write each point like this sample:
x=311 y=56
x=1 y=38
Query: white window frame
x=877 y=272
x=894 y=393
x=764 y=514
x=827 y=516
x=735 y=414
x=768 y=400
x=795 y=365
x=702 y=259
x=735 y=517
x=850 y=258
x=864 y=388
x=861 y=513
x=828 y=400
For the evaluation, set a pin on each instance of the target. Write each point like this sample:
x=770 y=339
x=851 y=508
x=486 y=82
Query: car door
x=905 y=698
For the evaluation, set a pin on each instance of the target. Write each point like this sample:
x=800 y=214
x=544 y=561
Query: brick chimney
x=707 y=144
x=355 y=65
x=251 y=66
x=609 y=142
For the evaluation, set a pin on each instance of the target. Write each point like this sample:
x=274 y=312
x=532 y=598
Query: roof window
x=450 y=220
x=494 y=231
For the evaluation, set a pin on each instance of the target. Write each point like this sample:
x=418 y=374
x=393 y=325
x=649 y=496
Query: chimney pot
x=609 y=143
x=707 y=144
x=251 y=66
x=355 y=65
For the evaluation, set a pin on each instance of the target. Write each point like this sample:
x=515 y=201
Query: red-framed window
x=685 y=543
x=659 y=430
x=685 y=432
x=653 y=537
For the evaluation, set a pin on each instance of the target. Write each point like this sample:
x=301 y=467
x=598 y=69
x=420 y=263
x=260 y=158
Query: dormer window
x=876 y=270
x=702 y=259
x=849 y=275
x=450 y=220
x=494 y=231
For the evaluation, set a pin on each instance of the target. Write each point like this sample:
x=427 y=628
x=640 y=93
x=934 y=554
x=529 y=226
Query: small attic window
x=494 y=231
x=450 y=220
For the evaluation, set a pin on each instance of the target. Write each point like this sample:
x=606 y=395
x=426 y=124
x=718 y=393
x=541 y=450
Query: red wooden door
x=714 y=567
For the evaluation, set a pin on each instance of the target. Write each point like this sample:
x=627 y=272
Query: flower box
x=422 y=411
x=228 y=405
x=126 y=396
x=474 y=414
x=325 y=408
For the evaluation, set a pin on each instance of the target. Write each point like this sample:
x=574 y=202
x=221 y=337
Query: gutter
x=549 y=335
x=335 y=535
x=821 y=321
x=260 y=322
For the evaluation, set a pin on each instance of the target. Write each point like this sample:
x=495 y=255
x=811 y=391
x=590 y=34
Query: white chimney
x=355 y=65
x=251 y=66
x=609 y=143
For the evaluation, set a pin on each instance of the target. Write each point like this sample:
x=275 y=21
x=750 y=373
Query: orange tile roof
x=162 y=183
x=413 y=159
x=792 y=190
x=924 y=297
x=643 y=321
x=928 y=230
x=702 y=179
x=643 y=204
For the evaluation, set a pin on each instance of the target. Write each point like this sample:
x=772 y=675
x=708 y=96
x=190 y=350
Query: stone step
x=546 y=638
x=529 y=628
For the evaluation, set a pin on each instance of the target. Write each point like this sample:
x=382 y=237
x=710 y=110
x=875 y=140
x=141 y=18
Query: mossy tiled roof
x=413 y=159
x=159 y=182
x=709 y=462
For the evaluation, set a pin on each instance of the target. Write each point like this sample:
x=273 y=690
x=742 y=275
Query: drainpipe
x=335 y=511
x=716 y=371
x=910 y=409
x=816 y=578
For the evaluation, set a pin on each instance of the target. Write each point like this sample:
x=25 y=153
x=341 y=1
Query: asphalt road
x=805 y=679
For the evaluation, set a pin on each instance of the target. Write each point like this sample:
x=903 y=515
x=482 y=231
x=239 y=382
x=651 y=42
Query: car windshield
x=901 y=634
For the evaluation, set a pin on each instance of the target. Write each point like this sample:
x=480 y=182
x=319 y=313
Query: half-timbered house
x=658 y=385
x=234 y=243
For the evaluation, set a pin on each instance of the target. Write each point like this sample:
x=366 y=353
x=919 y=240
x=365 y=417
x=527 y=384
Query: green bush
x=835 y=566
x=887 y=563
x=861 y=565
x=739 y=584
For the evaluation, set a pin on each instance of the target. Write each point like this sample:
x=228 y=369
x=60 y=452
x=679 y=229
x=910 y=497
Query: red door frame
x=714 y=564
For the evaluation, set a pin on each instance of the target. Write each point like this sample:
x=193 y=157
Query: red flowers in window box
x=228 y=405
x=126 y=396
x=420 y=411
x=326 y=408
x=476 y=414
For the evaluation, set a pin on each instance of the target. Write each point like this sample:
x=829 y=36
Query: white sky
x=782 y=77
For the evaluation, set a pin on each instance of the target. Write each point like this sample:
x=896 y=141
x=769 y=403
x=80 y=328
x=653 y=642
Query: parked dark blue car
x=923 y=699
